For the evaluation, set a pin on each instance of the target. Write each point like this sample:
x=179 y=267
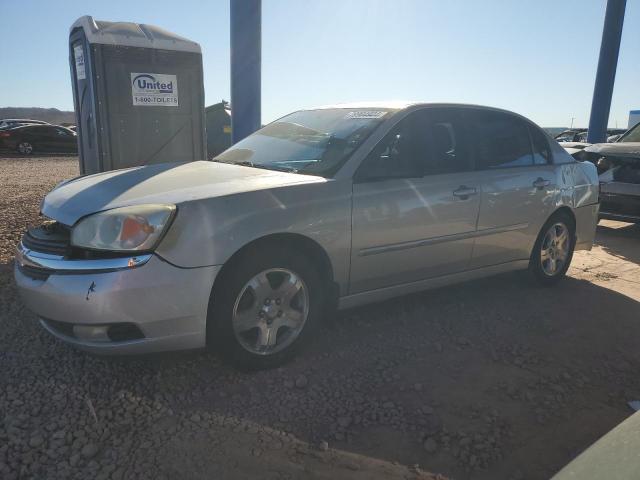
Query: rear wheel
x=25 y=148
x=553 y=250
x=267 y=306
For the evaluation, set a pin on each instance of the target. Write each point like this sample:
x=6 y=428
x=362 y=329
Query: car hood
x=617 y=149
x=168 y=183
x=575 y=145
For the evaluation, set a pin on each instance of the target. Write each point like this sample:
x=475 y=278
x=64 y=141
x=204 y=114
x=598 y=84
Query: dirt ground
x=493 y=379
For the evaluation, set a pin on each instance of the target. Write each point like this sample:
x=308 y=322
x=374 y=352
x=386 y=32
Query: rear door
x=518 y=180
x=415 y=203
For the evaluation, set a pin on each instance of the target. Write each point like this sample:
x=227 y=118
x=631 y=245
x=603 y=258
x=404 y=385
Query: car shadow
x=620 y=240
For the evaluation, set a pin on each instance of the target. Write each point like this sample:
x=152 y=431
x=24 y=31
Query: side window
x=426 y=142
x=36 y=130
x=445 y=136
x=501 y=140
x=397 y=155
x=541 y=150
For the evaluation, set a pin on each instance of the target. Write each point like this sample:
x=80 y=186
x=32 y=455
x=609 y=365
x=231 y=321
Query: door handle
x=464 y=192
x=540 y=183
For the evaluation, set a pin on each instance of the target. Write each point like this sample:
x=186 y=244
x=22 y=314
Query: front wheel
x=266 y=307
x=553 y=250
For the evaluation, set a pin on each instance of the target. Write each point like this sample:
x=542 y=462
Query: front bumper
x=165 y=304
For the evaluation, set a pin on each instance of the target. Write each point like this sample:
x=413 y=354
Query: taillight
x=5 y=134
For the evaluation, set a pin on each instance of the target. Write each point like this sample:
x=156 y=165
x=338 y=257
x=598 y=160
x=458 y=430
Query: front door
x=415 y=204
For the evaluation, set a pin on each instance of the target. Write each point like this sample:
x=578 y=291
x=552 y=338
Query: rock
x=427 y=410
x=464 y=441
x=301 y=381
x=36 y=441
x=344 y=422
x=89 y=450
x=323 y=446
x=430 y=445
x=289 y=383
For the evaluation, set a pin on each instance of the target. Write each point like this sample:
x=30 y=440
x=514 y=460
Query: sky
x=534 y=57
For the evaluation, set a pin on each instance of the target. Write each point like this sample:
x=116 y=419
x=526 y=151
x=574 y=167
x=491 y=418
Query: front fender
x=209 y=231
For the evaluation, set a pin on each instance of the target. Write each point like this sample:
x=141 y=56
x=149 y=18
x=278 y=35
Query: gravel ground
x=491 y=379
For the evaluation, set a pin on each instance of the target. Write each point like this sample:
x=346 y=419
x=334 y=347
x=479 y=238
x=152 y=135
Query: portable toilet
x=138 y=95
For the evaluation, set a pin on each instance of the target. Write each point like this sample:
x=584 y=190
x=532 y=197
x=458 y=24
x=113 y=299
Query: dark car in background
x=619 y=172
x=28 y=139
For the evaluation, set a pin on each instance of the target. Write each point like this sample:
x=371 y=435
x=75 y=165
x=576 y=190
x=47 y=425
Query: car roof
x=22 y=120
x=404 y=104
x=398 y=105
x=33 y=125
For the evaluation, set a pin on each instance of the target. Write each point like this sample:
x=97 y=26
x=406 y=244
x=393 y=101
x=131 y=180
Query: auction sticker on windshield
x=366 y=114
x=154 y=89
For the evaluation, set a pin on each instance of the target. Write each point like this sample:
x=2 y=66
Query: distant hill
x=51 y=115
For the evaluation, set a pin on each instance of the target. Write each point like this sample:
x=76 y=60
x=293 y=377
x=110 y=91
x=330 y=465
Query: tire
x=25 y=148
x=557 y=238
x=267 y=306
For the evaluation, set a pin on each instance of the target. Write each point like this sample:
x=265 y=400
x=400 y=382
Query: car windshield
x=313 y=142
x=632 y=135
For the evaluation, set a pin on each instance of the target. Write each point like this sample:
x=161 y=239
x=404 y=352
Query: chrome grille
x=51 y=237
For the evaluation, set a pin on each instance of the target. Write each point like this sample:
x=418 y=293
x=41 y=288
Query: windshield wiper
x=247 y=163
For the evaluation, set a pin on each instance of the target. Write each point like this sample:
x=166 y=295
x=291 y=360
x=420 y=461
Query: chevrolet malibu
x=331 y=207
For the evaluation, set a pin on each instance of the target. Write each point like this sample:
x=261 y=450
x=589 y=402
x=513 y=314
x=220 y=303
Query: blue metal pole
x=606 y=75
x=245 y=67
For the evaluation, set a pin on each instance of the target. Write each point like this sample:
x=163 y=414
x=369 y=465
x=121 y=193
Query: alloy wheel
x=25 y=148
x=270 y=311
x=555 y=249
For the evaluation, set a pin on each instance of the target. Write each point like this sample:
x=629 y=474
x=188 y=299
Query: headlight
x=124 y=229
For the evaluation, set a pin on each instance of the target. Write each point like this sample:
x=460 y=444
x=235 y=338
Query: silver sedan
x=322 y=209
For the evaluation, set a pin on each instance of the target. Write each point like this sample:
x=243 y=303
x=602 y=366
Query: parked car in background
x=571 y=135
x=342 y=205
x=16 y=122
x=28 y=139
x=579 y=135
x=619 y=174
